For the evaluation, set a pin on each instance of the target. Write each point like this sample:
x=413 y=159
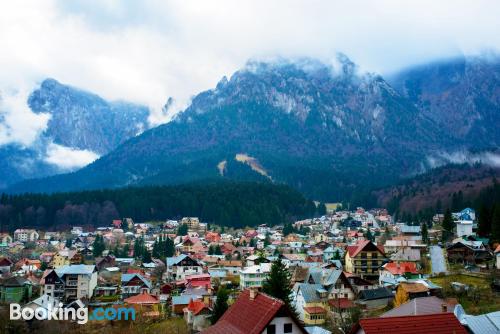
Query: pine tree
x=495 y=223
x=220 y=305
x=146 y=256
x=425 y=233
x=170 y=247
x=217 y=250
x=98 y=246
x=447 y=225
x=277 y=284
x=484 y=221
x=182 y=230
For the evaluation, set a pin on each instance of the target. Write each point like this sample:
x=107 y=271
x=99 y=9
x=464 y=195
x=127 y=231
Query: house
x=5 y=239
x=26 y=235
x=66 y=257
x=52 y=284
x=179 y=303
x=468 y=252
x=178 y=267
x=410 y=230
x=255 y=312
x=105 y=262
x=15 y=290
x=413 y=290
x=133 y=284
x=202 y=280
x=364 y=259
x=79 y=280
x=439 y=323
x=191 y=222
x=421 y=306
x=5 y=265
x=393 y=272
x=254 y=276
x=311 y=303
x=45 y=302
x=333 y=280
x=144 y=304
x=375 y=298
x=197 y=315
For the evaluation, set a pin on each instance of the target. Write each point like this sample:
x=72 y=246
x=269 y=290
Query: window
x=271 y=329
x=287 y=328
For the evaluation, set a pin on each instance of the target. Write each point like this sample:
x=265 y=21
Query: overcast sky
x=145 y=51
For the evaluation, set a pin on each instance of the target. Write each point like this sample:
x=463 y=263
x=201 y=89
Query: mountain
x=80 y=122
x=83 y=120
x=451 y=186
x=328 y=131
x=460 y=95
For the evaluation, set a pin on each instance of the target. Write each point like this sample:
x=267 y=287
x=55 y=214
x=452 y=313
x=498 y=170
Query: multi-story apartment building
x=26 y=235
x=71 y=282
x=254 y=276
x=365 y=259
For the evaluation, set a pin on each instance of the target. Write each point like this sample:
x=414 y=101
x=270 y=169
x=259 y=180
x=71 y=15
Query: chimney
x=253 y=293
x=444 y=308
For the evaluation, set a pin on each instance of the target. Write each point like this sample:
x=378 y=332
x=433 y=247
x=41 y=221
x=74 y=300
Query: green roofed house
x=15 y=290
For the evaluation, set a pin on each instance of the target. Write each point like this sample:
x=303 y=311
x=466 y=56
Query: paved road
x=438 y=261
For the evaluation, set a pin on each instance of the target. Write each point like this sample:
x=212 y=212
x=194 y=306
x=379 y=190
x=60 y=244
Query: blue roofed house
x=311 y=303
x=134 y=284
x=178 y=267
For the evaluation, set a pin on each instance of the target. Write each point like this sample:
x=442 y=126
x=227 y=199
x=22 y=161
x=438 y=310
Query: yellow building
x=311 y=302
x=364 y=259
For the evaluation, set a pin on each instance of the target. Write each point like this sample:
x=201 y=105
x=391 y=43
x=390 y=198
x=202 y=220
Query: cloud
x=67 y=158
x=18 y=124
x=463 y=157
x=146 y=51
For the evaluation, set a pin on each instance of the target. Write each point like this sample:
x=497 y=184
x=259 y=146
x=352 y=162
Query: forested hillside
x=224 y=203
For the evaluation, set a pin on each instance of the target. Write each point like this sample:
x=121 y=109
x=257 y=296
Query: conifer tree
x=277 y=284
x=220 y=305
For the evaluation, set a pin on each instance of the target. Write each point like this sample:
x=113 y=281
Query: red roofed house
x=255 y=312
x=439 y=323
x=212 y=237
x=117 y=223
x=197 y=315
x=395 y=270
x=201 y=280
x=364 y=259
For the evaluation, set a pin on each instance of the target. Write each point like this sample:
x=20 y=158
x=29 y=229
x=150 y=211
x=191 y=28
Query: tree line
x=232 y=204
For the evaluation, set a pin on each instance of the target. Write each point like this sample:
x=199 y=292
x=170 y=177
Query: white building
x=178 y=267
x=26 y=235
x=464 y=228
x=254 y=276
x=80 y=280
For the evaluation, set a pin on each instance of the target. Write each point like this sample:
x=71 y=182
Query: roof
x=314 y=310
x=484 y=323
x=249 y=316
x=413 y=287
x=309 y=291
x=342 y=303
x=372 y=294
x=401 y=268
x=75 y=269
x=184 y=299
x=316 y=330
x=420 y=306
x=128 y=277
x=440 y=323
x=355 y=249
x=196 y=306
x=143 y=298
